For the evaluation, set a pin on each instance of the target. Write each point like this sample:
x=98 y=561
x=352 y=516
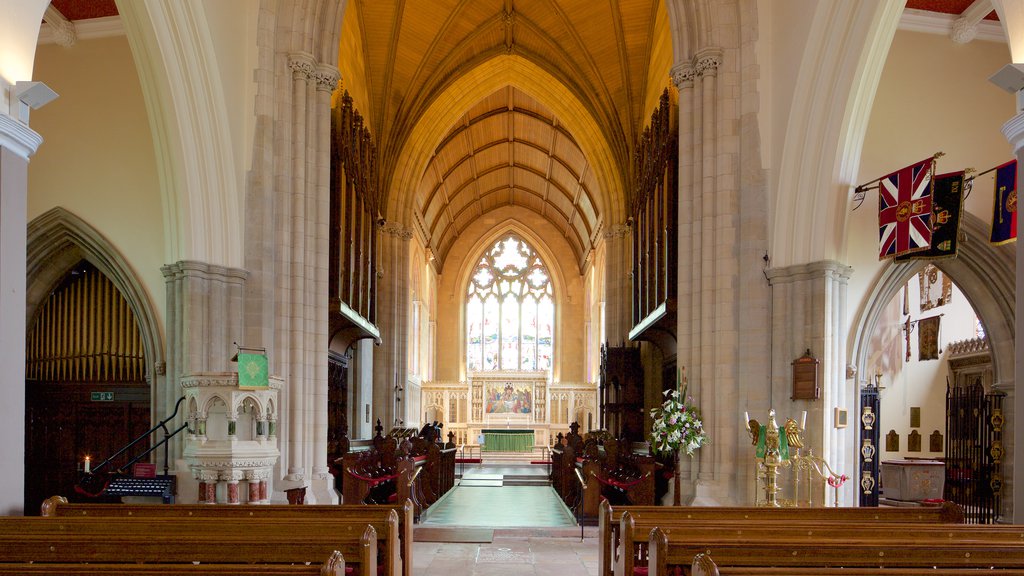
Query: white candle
x=746 y=419
x=88 y=465
x=803 y=420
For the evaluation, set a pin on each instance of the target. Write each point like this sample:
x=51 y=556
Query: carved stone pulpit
x=232 y=437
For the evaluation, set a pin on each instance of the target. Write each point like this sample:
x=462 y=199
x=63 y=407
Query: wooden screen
x=85 y=391
x=354 y=221
x=653 y=208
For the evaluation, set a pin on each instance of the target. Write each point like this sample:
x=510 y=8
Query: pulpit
x=233 y=436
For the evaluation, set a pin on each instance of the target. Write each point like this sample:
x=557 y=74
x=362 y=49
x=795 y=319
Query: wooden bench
x=819 y=544
x=243 y=542
x=334 y=566
x=703 y=565
x=396 y=546
x=647 y=517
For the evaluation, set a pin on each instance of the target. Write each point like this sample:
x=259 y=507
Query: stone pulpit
x=232 y=436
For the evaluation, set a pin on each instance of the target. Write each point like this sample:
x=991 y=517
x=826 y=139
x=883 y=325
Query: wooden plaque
x=915 y=416
x=914 y=441
x=892 y=441
x=935 y=442
x=805 y=377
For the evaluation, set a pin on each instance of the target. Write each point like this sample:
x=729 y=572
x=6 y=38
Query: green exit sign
x=102 y=397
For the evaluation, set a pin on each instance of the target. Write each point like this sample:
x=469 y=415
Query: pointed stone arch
x=57 y=240
x=986 y=275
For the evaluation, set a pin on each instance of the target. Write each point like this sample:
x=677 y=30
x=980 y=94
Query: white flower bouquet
x=677 y=425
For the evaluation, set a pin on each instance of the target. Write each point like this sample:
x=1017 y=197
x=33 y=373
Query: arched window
x=510 y=309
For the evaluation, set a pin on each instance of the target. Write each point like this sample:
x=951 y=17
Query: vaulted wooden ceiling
x=510 y=149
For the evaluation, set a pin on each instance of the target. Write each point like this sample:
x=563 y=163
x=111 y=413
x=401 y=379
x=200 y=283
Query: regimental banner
x=928 y=338
x=1004 y=211
x=905 y=210
x=252 y=371
x=947 y=209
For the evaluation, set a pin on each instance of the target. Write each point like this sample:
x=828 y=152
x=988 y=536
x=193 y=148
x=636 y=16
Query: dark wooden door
x=64 y=424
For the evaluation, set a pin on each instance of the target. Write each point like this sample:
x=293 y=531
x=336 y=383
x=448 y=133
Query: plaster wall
x=934 y=96
x=98 y=162
x=570 y=306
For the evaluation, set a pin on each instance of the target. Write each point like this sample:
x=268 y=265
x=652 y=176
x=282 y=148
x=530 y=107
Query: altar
x=913 y=480
x=507 y=440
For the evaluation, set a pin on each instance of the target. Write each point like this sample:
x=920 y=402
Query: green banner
x=252 y=371
x=783 y=443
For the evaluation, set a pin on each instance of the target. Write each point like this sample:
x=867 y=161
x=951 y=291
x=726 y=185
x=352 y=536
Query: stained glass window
x=510 y=310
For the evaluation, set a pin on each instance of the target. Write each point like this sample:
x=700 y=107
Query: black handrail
x=167 y=437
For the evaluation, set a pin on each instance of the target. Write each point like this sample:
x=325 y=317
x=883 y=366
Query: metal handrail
x=579 y=501
x=414 y=475
x=167 y=437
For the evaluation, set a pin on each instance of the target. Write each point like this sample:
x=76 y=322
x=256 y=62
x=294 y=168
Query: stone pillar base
x=321 y=491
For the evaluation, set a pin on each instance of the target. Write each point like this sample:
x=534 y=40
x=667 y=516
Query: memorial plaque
x=805 y=377
x=935 y=442
x=915 y=416
x=892 y=441
x=914 y=441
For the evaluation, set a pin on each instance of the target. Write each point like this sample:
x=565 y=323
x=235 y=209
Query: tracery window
x=510 y=309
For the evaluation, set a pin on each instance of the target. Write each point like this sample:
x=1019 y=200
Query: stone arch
x=57 y=240
x=986 y=275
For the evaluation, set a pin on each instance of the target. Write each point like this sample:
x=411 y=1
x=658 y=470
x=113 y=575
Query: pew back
x=333 y=566
x=396 y=545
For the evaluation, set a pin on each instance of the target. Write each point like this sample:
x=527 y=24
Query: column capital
x=302 y=65
x=17 y=137
x=617 y=231
x=396 y=230
x=682 y=75
x=707 y=61
x=327 y=77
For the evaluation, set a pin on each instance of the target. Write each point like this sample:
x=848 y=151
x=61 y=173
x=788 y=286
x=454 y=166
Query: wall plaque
x=935 y=442
x=915 y=416
x=914 y=441
x=892 y=441
x=805 y=377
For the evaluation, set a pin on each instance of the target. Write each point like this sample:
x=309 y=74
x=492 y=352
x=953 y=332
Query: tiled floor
x=545 y=539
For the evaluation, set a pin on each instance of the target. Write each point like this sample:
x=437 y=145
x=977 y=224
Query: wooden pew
x=333 y=566
x=833 y=544
x=703 y=565
x=647 y=517
x=242 y=541
x=396 y=546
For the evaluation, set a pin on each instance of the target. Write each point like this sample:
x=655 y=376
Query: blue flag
x=1004 y=212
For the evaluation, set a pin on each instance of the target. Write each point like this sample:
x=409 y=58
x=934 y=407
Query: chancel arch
x=986 y=276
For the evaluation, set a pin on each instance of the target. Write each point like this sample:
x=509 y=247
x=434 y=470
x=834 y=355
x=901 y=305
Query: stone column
x=1014 y=132
x=204 y=319
x=390 y=365
x=617 y=285
x=17 y=143
x=809 y=312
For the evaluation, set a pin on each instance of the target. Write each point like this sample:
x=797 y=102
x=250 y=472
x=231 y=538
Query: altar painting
x=509 y=399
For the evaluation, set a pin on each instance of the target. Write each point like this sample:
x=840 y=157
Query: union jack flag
x=905 y=210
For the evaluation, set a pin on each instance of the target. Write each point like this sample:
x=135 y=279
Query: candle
x=746 y=419
x=803 y=420
x=88 y=465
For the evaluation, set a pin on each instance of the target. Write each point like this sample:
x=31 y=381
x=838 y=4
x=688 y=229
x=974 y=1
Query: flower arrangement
x=677 y=425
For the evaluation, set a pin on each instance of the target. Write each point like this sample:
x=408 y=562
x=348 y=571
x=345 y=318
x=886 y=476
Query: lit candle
x=88 y=465
x=803 y=420
x=746 y=419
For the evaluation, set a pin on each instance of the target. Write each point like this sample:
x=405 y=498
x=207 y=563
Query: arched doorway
x=986 y=277
x=86 y=393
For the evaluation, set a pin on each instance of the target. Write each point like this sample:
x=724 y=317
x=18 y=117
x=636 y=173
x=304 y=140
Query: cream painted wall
x=920 y=383
x=98 y=159
x=934 y=95
x=569 y=332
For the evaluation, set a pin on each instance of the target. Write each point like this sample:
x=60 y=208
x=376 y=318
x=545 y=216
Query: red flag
x=905 y=210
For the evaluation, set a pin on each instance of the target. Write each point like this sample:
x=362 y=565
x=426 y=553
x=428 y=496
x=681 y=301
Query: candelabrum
x=772 y=444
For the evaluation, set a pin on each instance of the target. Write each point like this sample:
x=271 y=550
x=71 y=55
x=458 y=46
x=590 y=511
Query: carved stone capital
x=707 y=61
x=396 y=230
x=617 y=231
x=682 y=75
x=327 y=78
x=302 y=65
x=64 y=32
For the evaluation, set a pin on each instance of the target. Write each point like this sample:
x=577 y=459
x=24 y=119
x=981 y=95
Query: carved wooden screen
x=353 y=220
x=653 y=209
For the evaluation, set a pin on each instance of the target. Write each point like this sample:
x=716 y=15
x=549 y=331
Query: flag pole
x=859 y=191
